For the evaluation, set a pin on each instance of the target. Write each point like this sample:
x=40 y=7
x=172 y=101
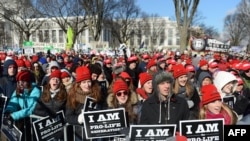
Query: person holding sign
x=163 y=107
x=22 y=103
x=212 y=106
x=122 y=96
x=80 y=90
x=53 y=98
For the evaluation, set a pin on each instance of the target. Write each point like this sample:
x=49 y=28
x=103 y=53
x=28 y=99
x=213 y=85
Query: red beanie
x=179 y=70
x=82 y=73
x=20 y=63
x=119 y=85
x=190 y=68
x=27 y=63
x=213 y=65
x=64 y=74
x=125 y=75
x=151 y=63
x=209 y=94
x=55 y=73
x=35 y=58
x=203 y=62
x=240 y=81
x=23 y=75
x=144 y=77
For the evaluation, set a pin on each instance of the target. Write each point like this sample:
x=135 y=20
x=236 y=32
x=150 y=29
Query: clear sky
x=213 y=11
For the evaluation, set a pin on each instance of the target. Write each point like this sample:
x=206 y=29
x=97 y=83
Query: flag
x=70 y=37
x=142 y=45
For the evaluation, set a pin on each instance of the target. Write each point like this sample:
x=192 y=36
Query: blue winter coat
x=23 y=105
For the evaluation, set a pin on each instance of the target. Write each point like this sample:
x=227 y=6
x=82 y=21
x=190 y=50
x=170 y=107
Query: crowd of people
x=153 y=88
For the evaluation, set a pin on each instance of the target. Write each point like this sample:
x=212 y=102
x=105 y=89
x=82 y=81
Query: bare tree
x=121 y=21
x=244 y=17
x=154 y=30
x=235 y=29
x=23 y=15
x=184 y=12
x=97 y=11
x=65 y=13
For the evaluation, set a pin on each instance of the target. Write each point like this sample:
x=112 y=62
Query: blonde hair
x=224 y=108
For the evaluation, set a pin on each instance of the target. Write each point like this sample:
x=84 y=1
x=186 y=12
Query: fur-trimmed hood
x=133 y=99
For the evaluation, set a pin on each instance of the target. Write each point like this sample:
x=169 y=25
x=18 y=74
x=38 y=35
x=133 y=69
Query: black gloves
x=7 y=120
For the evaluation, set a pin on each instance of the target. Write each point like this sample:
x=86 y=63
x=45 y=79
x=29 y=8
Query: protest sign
x=151 y=132
x=90 y=104
x=46 y=128
x=105 y=123
x=3 y=100
x=229 y=100
x=11 y=133
x=202 y=130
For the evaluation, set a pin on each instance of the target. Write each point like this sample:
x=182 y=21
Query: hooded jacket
x=156 y=111
x=8 y=83
x=221 y=79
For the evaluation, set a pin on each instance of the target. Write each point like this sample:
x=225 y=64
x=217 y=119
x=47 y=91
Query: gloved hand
x=80 y=118
x=7 y=120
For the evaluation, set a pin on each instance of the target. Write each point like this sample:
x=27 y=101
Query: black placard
x=203 y=130
x=105 y=123
x=151 y=132
x=47 y=127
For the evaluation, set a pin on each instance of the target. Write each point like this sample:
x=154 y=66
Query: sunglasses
x=247 y=71
x=120 y=93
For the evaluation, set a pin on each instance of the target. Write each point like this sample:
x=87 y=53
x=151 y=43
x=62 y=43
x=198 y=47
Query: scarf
x=54 y=92
x=224 y=115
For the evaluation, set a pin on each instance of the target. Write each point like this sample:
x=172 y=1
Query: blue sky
x=213 y=11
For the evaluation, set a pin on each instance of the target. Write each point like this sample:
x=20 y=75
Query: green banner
x=28 y=44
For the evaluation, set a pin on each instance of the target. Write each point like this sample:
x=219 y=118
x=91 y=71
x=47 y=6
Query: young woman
x=212 y=106
x=146 y=88
x=53 y=99
x=184 y=88
x=22 y=103
x=77 y=94
x=122 y=96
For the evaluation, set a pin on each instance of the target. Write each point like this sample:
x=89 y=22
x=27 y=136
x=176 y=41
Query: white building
x=158 y=33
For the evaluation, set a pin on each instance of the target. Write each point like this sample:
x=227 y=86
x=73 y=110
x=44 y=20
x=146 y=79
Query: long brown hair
x=46 y=94
x=129 y=105
x=74 y=90
x=225 y=108
x=189 y=88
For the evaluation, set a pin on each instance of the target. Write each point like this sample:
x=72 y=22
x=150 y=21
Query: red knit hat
x=151 y=63
x=125 y=75
x=23 y=75
x=245 y=66
x=82 y=73
x=20 y=63
x=55 y=73
x=64 y=74
x=190 y=68
x=209 y=94
x=179 y=70
x=213 y=65
x=240 y=81
x=27 y=63
x=144 y=77
x=119 y=85
x=35 y=58
x=203 y=62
